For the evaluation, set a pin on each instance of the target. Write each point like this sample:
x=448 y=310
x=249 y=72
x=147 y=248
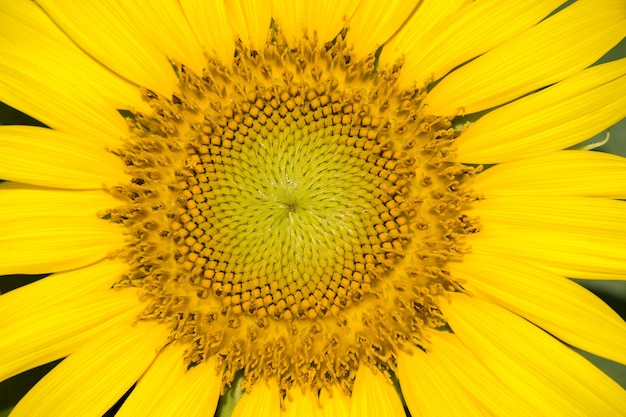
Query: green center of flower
x=293 y=214
x=290 y=209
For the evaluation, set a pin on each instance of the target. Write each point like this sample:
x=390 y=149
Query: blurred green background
x=612 y=292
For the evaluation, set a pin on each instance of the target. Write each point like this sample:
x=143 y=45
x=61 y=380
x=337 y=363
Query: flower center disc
x=292 y=213
x=291 y=207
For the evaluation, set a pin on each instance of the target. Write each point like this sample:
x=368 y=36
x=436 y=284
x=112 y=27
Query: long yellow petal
x=153 y=397
x=597 y=216
x=209 y=21
x=192 y=392
x=410 y=37
x=430 y=390
x=263 y=400
x=250 y=19
x=92 y=379
x=154 y=383
x=374 y=22
x=564 y=173
x=450 y=381
x=38 y=335
x=300 y=403
x=555 y=118
x=26 y=201
x=105 y=31
x=59 y=288
x=373 y=395
x=164 y=25
x=582 y=254
x=49 y=158
x=535 y=365
x=326 y=18
x=556 y=48
x=28 y=84
x=477 y=380
x=26 y=26
x=558 y=305
x=85 y=94
x=337 y=405
x=46 y=244
x=433 y=51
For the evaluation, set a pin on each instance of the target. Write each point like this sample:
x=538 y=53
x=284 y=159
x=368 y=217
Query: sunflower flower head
x=289 y=199
x=308 y=220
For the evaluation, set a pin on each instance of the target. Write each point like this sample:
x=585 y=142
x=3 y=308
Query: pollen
x=292 y=214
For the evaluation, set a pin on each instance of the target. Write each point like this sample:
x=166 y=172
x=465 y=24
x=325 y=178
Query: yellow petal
x=598 y=216
x=335 y=403
x=410 y=38
x=197 y=389
x=217 y=37
x=46 y=244
x=535 y=365
x=28 y=84
x=326 y=18
x=59 y=288
x=433 y=51
x=300 y=403
x=450 y=381
x=154 y=383
x=556 y=48
x=575 y=254
x=192 y=392
x=36 y=335
x=555 y=118
x=49 y=158
x=105 y=31
x=250 y=19
x=26 y=26
x=262 y=400
x=558 y=305
x=40 y=59
x=92 y=379
x=374 y=22
x=164 y=25
x=26 y=201
x=373 y=395
x=430 y=390
x=564 y=173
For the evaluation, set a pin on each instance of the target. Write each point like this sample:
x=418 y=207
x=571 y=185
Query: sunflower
x=338 y=208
